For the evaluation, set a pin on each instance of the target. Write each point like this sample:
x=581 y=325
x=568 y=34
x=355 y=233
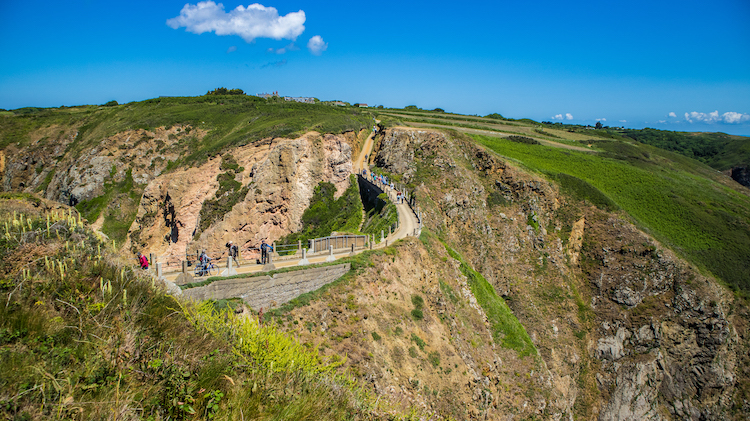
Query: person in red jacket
x=143 y=261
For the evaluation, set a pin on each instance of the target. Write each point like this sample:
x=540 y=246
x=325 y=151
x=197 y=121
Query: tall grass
x=86 y=336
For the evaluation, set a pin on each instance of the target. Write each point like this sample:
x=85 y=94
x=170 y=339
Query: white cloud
x=712 y=117
x=558 y=117
x=732 y=117
x=232 y=49
x=662 y=121
x=316 y=45
x=251 y=22
x=623 y=121
x=601 y=119
x=672 y=114
x=568 y=116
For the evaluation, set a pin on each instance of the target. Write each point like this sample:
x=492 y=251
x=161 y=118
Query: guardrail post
x=184 y=277
x=312 y=245
x=159 y=272
x=299 y=245
x=151 y=259
x=382 y=237
x=269 y=263
x=304 y=260
x=229 y=271
x=330 y=257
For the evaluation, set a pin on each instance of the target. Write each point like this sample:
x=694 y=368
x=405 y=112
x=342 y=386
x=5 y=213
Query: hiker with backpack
x=233 y=252
x=264 y=252
x=203 y=260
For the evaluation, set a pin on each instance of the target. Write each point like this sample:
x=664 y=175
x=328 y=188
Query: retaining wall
x=266 y=291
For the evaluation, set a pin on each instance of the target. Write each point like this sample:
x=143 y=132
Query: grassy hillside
x=230 y=120
x=720 y=151
x=650 y=174
x=84 y=337
x=669 y=196
x=223 y=121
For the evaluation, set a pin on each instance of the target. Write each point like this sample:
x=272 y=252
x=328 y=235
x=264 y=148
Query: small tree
x=598 y=125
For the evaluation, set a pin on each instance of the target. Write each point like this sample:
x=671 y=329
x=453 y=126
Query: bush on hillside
x=523 y=139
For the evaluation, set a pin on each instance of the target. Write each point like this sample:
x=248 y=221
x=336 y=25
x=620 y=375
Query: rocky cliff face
x=281 y=175
x=626 y=329
x=741 y=175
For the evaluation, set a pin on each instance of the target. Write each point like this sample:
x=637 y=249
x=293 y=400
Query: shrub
x=417 y=314
x=434 y=358
x=523 y=139
x=417 y=340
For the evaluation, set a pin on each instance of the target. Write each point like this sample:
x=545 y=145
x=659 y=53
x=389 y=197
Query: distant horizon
x=671 y=65
x=690 y=129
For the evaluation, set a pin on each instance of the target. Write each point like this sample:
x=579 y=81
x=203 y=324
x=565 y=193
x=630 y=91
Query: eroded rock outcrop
x=637 y=332
x=281 y=175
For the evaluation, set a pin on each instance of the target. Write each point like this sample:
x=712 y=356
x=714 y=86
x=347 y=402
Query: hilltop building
x=302 y=99
x=271 y=95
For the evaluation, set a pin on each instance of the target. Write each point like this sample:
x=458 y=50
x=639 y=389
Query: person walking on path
x=264 y=252
x=143 y=261
x=203 y=262
x=233 y=252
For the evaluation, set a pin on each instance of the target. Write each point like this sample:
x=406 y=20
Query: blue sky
x=675 y=65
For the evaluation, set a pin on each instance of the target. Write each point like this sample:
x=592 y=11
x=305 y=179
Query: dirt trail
x=500 y=134
x=360 y=163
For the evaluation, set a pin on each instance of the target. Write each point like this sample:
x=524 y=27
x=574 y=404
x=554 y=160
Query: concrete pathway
x=408 y=226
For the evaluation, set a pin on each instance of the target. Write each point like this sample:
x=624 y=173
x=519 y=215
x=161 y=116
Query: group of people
x=382 y=179
x=232 y=250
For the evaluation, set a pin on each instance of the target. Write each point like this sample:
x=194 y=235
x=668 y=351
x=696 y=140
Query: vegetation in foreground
x=84 y=337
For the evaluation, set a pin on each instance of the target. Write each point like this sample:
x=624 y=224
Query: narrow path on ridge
x=408 y=226
x=408 y=222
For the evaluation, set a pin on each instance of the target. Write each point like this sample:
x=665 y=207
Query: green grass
x=672 y=197
x=506 y=329
x=231 y=120
x=119 y=204
x=719 y=150
x=83 y=336
x=326 y=215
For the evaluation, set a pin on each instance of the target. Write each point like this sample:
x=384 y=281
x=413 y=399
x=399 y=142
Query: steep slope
x=532 y=293
x=630 y=329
